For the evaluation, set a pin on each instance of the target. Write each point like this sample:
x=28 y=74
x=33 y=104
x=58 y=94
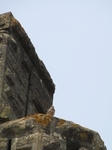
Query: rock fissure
x=9 y=144
x=27 y=95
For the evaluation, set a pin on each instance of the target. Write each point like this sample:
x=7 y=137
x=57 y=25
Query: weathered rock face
x=43 y=132
x=26 y=88
x=25 y=85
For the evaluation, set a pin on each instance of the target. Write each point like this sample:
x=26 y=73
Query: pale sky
x=74 y=40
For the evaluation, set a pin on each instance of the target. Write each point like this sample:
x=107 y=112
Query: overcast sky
x=74 y=40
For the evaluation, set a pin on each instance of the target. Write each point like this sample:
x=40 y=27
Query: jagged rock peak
x=25 y=84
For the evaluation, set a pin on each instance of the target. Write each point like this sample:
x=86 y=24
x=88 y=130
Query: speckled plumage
x=51 y=111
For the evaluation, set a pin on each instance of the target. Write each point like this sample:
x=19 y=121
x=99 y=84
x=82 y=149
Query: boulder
x=44 y=132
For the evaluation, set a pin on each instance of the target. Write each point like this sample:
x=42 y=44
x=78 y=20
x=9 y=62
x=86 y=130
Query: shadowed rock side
x=43 y=132
x=25 y=84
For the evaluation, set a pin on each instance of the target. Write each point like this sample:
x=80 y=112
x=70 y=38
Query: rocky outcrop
x=26 y=93
x=25 y=84
x=44 y=132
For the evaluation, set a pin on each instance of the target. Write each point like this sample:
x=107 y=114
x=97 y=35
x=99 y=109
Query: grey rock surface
x=43 y=132
x=25 y=84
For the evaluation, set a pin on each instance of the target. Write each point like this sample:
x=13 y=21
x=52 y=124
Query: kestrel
x=51 y=111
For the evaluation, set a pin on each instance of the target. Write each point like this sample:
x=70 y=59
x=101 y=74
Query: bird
x=51 y=111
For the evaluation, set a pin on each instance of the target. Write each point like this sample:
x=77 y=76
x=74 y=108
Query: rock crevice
x=27 y=95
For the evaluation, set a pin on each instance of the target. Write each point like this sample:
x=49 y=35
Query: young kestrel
x=51 y=111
